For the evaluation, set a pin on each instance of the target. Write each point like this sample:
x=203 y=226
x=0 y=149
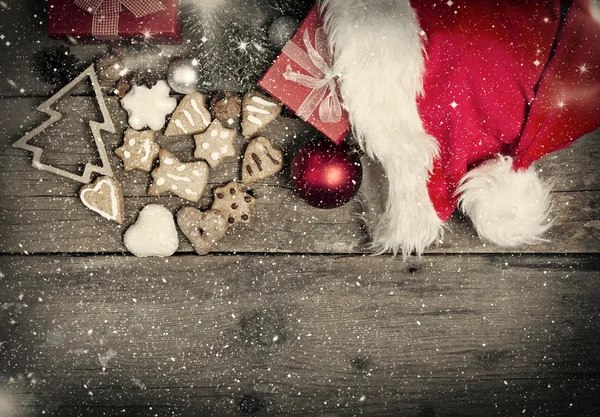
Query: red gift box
x=302 y=78
x=97 y=20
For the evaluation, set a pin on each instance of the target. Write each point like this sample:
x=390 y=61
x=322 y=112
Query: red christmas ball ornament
x=326 y=175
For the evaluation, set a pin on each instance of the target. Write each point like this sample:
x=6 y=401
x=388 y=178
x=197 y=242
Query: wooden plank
x=31 y=200
x=477 y=335
x=281 y=224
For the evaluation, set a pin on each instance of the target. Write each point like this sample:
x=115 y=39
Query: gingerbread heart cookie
x=139 y=150
x=104 y=196
x=258 y=111
x=186 y=180
x=261 y=160
x=233 y=202
x=203 y=229
x=191 y=116
x=215 y=144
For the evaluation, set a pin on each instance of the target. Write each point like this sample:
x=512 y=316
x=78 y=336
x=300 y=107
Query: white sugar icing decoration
x=131 y=142
x=255 y=109
x=196 y=173
x=190 y=192
x=224 y=134
x=197 y=110
x=255 y=120
x=205 y=145
x=224 y=149
x=180 y=168
x=214 y=133
x=160 y=181
x=114 y=202
x=168 y=161
x=147 y=149
x=215 y=156
x=178 y=178
x=174 y=187
x=149 y=106
x=262 y=101
x=127 y=154
x=180 y=125
x=188 y=116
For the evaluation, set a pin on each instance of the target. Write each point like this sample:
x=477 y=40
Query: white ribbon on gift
x=316 y=61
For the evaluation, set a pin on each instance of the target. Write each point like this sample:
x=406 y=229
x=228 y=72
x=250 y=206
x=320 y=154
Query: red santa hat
x=456 y=99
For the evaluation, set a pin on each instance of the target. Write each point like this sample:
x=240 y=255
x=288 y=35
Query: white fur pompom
x=596 y=10
x=507 y=207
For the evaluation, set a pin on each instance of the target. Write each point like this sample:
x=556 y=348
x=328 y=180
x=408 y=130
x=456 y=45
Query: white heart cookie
x=153 y=234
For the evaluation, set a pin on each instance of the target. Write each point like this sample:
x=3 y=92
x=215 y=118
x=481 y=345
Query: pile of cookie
x=214 y=132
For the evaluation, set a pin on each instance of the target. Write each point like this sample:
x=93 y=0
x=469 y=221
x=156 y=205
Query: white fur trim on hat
x=507 y=207
x=379 y=57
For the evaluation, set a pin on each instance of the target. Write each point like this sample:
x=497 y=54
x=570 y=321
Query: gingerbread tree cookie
x=258 y=111
x=190 y=117
x=215 y=144
x=233 y=202
x=186 y=180
x=138 y=150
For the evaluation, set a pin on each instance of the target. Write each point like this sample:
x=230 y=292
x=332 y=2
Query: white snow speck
x=105 y=358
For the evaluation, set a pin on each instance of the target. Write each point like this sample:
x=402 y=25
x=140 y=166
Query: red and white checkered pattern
x=105 y=24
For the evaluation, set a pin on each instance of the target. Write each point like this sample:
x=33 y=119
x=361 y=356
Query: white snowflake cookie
x=149 y=106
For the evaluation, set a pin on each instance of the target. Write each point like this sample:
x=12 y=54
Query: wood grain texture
x=472 y=335
x=32 y=201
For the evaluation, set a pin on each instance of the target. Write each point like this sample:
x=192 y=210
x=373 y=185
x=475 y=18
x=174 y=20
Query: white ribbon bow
x=316 y=61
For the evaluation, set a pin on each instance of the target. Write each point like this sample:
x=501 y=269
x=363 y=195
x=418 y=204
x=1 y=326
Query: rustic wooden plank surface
x=31 y=200
x=472 y=335
x=89 y=331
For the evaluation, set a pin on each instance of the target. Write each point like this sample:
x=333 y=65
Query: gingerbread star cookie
x=258 y=111
x=261 y=160
x=233 y=202
x=190 y=117
x=215 y=144
x=139 y=150
x=104 y=196
x=186 y=180
x=148 y=106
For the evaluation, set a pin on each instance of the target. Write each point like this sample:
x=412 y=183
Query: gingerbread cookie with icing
x=186 y=180
x=139 y=150
x=104 y=196
x=261 y=160
x=258 y=111
x=190 y=117
x=215 y=144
